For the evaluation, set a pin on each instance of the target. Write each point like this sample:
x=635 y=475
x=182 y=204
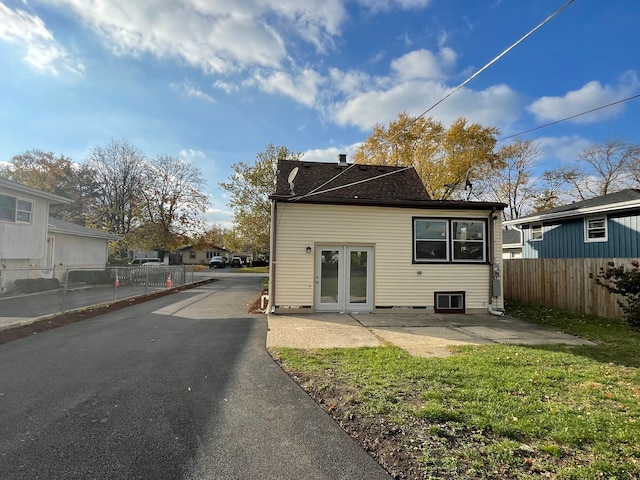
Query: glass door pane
x=329 y=271
x=358 y=276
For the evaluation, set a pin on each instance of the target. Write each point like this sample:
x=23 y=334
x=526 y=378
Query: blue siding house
x=600 y=227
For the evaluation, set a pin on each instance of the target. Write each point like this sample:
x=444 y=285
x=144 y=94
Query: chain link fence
x=30 y=293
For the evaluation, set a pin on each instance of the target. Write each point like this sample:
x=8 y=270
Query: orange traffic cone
x=169 y=283
x=117 y=280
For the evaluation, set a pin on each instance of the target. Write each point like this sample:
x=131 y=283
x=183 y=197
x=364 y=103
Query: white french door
x=344 y=278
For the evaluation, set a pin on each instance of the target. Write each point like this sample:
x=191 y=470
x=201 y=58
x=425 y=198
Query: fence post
x=116 y=284
x=64 y=288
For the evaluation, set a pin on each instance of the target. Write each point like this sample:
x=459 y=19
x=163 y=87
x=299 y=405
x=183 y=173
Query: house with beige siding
x=363 y=238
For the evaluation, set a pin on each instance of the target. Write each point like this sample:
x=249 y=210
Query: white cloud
x=498 y=105
x=191 y=153
x=226 y=87
x=350 y=81
x=383 y=5
x=188 y=89
x=302 y=88
x=43 y=51
x=591 y=95
x=423 y=64
x=562 y=150
x=329 y=154
x=417 y=81
x=213 y=35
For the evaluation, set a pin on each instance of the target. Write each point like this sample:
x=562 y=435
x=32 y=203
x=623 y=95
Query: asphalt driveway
x=180 y=387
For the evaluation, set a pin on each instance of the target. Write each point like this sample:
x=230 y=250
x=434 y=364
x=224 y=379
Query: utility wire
x=531 y=32
x=569 y=118
x=315 y=192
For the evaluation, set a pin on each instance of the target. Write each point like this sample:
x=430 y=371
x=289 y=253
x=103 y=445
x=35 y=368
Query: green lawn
x=500 y=411
x=254 y=270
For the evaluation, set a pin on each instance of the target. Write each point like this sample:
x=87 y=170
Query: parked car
x=236 y=262
x=145 y=260
x=218 y=262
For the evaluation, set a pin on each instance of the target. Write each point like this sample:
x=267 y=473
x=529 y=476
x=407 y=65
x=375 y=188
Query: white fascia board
x=28 y=191
x=580 y=212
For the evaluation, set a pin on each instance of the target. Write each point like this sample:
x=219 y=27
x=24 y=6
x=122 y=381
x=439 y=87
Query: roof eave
x=435 y=204
x=100 y=236
x=52 y=197
x=579 y=212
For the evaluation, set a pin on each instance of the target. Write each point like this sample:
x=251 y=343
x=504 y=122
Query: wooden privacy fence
x=567 y=283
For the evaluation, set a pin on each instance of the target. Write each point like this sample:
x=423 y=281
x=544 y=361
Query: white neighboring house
x=24 y=219
x=77 y=246
x=511 y=244
x=31 y=238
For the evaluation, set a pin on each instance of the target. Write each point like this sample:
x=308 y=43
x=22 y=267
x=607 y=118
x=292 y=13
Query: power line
x=569 y=118
x=524 y=37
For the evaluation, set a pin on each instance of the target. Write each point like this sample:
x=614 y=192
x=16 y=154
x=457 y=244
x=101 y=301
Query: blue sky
x=216 y=81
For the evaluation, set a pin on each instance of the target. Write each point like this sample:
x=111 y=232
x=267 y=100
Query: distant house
x=202 y=255
x=24 y=218
x=602 y=227
x=363 y=238
x=511 y=244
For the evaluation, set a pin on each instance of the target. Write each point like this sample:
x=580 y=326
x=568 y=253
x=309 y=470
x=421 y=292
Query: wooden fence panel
x=567 y=283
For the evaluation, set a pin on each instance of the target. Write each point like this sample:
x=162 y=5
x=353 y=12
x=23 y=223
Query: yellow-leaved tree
x=444 y=158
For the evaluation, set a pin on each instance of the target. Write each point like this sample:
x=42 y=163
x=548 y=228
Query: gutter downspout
x=272 y=257
x=499 y=312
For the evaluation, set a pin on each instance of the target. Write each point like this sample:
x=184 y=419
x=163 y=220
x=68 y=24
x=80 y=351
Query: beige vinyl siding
x=389 y=231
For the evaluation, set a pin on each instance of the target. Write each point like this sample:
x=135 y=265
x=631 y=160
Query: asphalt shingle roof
x=359 y=184
x=331 y=181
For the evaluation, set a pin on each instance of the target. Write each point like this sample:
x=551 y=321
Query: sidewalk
x=27 y=308
x=422 y=334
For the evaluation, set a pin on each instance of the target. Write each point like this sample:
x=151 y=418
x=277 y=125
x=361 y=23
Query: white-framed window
x=14 y=209
x=537 y=232
x=449 y=240
x=595 y=229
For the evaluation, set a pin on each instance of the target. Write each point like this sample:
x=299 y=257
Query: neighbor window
x=536 y=232
x=455 y=240
x=14 y=209
x=595 y=229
